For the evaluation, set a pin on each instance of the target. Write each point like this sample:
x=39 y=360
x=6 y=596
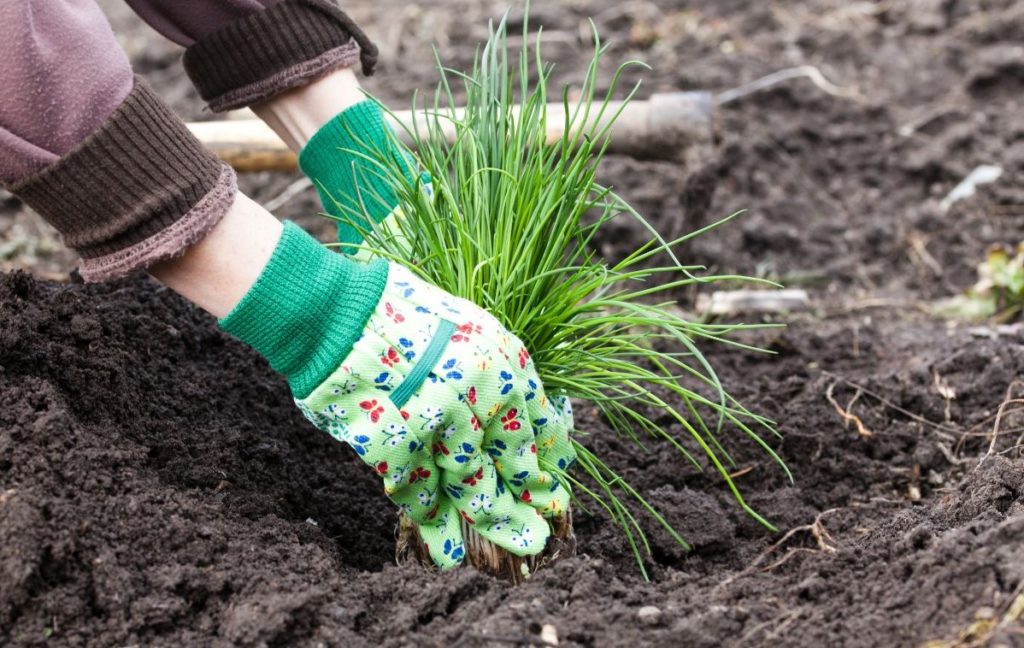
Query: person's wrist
x=307 y=308
x=297 y=114
x=217 y=271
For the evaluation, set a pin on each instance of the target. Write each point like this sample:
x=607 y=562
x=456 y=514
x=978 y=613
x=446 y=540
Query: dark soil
x=158 y=487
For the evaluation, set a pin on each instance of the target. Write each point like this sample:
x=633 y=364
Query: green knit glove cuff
x=341 y=160
x=307 y=308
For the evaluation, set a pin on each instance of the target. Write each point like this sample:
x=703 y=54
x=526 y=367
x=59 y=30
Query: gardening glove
x=342 y=159
x=481 y=393
x=428 y=389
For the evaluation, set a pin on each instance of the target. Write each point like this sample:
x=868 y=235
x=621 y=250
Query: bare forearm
x=216 y=272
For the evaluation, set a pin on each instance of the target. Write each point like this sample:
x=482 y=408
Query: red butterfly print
x=391 y=357
x=440 y=448
x=465 y=517
x=472 y=479
x=382 y=467
x=372 y=409
x=525 y=496
x=395 y=316
x=418 y=474
x=464 y=331
x=471 y=396
x=524 y=357
x=509 y=422
x=474 y=423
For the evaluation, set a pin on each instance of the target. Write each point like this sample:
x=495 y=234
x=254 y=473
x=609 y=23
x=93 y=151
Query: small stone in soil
x=649 y=615
x=549 y=635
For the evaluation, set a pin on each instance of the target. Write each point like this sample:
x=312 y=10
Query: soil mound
x=159 y=487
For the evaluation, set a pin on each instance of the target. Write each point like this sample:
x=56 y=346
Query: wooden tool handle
x=662 y=127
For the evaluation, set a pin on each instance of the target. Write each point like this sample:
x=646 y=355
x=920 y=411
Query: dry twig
x=921 y=256
x=948 y=430
x=1007 y=400
x=946 y=391
x=782 y=620
x=739 y=473
x=816 y=529
x=800 y=72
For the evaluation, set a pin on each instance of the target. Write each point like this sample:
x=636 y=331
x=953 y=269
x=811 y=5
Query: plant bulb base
x=488 y=557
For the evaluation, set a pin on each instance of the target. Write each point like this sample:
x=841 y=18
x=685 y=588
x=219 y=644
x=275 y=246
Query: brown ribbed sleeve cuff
x=140 y=189
x=289 y=44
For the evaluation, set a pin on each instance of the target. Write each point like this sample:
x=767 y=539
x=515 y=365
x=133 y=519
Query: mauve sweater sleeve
x=61 y=75
x=186 y=21
x=243 y=52
x=92 y=149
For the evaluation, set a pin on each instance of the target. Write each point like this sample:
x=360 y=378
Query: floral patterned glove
x=430 y=390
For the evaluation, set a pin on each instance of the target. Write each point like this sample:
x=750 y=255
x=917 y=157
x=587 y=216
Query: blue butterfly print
x=453 y=550
x=407 y=345
x=464 y=453
x=358 y=444
x=530 y=395
x=383 y=381
x=496 y=448
x=506 y=380
x=407 y=290
x=452 y=369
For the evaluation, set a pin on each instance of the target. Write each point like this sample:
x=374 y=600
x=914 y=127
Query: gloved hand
x=430 y=390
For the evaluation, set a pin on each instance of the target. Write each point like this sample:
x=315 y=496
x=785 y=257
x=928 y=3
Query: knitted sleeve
x=243 y=52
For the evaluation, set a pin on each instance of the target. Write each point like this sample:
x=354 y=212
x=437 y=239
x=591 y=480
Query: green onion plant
x=510 y=222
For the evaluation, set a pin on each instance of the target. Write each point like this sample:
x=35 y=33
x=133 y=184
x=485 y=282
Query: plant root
x=488 y=557
x=826 y=544
x=849 y=417
x=777 y=625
